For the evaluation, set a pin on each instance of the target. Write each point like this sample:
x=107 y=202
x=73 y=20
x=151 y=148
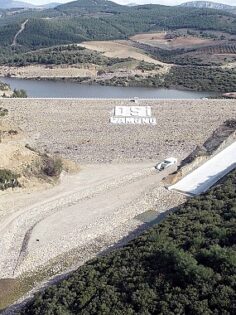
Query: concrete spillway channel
x=204 y=177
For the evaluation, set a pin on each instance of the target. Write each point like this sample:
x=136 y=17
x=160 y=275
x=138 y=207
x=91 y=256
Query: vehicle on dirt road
x=166 y=163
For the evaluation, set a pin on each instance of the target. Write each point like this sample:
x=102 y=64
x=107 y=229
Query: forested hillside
x=197 y=68
x=208 y=4
x=85 y=20
x=90 y=6
x=70 y=55
x=185 y=265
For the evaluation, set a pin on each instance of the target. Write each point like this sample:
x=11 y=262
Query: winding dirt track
x=83 y=207
x=97 y=203
x=14 y=43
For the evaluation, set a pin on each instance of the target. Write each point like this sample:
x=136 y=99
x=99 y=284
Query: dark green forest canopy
x=82 y=20
x=185 y=265
x=186 y=77
x=67 y=54
x=90 y=6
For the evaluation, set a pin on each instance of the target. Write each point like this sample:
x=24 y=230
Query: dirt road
x=19 y=32
x=116 y=182
x=41 y=226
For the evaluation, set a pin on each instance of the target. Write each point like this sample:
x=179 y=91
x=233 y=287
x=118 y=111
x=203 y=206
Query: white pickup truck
x=166 y=163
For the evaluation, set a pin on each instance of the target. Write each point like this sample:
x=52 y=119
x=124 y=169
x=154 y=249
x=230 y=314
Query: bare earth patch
x=230 y=65
x=119 y=49
x=160 y=40
x=37 y=71
x=7 y=93
x=8 y=288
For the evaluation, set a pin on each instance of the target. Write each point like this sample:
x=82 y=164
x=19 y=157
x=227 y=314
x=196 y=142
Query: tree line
x=185 y=265
x=76 y=23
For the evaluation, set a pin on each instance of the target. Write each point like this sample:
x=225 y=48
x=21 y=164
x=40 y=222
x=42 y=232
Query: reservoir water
x=62 y=89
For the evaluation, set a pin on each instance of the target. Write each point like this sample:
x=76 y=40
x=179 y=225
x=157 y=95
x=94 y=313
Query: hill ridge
x=208 y=5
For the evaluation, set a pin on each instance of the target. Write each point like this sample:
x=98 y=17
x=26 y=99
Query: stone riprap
x=81 y=130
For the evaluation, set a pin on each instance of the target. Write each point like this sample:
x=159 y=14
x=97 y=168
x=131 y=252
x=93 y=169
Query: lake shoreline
x=87 y=81
x=42 y=87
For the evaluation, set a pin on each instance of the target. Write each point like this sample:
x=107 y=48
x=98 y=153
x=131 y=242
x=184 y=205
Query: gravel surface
x=89 y=212
x=93 y=203
x=80 y=129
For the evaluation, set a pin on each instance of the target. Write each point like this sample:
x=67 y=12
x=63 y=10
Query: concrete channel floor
x=204 y=177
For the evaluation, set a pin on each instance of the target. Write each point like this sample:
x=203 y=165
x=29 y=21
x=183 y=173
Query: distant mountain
x=208 y=5
x=85 y=20
x=11 y=4
x=90 y=6
x=51 y=5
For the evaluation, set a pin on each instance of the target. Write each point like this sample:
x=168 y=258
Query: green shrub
x=19 y=94
x=8 y=179
x=4 y=86
x=184 y=265
x=3 y=112
x=12 y=132
x=52 y=167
